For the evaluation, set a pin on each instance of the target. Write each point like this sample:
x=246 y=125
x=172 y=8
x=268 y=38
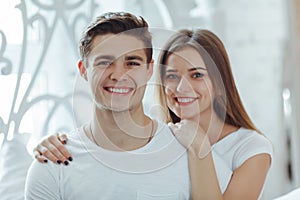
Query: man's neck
x=121 y=131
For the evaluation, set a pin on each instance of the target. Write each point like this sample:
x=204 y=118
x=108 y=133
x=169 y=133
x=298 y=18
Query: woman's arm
x=246 y=183
x=204 y=181
x=52 y=148
x=248 y=180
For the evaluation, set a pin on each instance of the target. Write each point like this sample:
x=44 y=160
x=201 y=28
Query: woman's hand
x=192 y=137
x=52 y=148
x=204 y=181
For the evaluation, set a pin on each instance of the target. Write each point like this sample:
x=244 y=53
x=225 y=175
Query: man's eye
x=197 y=75
x=171 y=76
x=103 y=63
x=133 y=63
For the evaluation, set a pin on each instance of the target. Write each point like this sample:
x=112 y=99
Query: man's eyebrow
x=196 y=68
x=106 y=57
x=171 y=70
x=134 y=58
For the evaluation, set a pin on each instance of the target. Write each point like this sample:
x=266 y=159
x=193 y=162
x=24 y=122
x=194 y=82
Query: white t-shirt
x=159 y=170
x=233 y=150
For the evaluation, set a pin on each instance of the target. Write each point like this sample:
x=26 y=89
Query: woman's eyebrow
x=196 y=68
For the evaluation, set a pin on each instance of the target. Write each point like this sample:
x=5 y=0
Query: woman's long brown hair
x=227 y=102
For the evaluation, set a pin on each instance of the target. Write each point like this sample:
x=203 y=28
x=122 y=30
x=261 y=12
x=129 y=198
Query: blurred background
x=38 y=73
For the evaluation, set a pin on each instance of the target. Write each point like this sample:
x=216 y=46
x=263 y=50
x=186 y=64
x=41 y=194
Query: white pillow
x=293 y=195
x=14 y=163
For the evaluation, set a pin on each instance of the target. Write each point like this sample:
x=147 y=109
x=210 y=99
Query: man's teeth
x=185 y=100
x=118 y=90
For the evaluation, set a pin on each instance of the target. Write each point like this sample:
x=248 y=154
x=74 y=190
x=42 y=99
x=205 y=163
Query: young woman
x=198 y=89
x=228 y=157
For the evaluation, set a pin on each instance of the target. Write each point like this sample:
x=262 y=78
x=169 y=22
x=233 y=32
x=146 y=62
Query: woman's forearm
x=204 y=181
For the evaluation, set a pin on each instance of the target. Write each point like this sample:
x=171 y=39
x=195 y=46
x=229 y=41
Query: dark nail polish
x=45 y=161
x=59 y=161
x=64 y=141
x=66 y=162
x=70 y=158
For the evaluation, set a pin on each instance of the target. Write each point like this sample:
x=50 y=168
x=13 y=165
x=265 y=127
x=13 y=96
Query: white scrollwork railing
x=49 y=17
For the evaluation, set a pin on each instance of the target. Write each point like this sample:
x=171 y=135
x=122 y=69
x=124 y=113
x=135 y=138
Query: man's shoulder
x=43 y=168
x=74 y=134
x=75 y=137
x=163 y=133
x=42 y=180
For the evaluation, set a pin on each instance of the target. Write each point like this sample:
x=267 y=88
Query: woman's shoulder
x=244 y=136
x=242 y=145
x=252 y=139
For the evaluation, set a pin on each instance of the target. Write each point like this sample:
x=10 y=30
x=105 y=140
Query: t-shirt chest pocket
x=141 y=195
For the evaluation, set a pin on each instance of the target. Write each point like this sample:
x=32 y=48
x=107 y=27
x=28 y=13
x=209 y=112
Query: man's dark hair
x=115 y=23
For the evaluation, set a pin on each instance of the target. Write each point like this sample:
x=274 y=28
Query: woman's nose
x=183 y=85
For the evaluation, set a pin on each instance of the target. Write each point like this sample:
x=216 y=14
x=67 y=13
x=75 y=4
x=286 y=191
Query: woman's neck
x=216 y=128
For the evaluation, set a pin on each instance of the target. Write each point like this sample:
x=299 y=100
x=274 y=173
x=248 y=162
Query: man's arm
x=42 y=182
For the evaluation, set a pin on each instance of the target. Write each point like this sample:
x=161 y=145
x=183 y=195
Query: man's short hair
x=115 y=23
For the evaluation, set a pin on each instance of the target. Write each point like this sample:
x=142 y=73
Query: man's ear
x=82 y=69
x=150 y=69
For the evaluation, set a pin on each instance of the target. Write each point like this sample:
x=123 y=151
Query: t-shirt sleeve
x=42 y=182
x=254 y=145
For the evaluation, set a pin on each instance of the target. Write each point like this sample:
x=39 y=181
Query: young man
x=121 y=153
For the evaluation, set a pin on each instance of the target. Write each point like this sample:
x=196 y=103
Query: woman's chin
x=190 y=117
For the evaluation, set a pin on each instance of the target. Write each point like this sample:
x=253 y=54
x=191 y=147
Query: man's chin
x=116 y=109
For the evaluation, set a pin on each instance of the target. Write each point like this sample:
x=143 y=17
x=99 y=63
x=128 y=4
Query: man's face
x=118 y=71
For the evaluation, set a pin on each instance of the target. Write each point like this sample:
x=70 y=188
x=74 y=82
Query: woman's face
x=188 y=87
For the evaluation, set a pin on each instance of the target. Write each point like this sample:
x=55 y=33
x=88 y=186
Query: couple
x=209 y=150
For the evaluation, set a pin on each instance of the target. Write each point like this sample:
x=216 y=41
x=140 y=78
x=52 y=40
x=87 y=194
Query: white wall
x=255 y=33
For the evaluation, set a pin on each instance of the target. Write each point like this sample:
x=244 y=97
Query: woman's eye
x=197 y=75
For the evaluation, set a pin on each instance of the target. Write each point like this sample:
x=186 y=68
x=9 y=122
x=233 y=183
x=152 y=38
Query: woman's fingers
x=58 y=149
x=41 y=152
x=185 y=132
x=62 y=137
x=51 y=153
x=39 y=157
x=174 y=127
x=192 y=137
x=52 y=148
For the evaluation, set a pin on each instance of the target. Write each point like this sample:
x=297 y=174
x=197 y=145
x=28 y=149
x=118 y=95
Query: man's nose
x=118 y=72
